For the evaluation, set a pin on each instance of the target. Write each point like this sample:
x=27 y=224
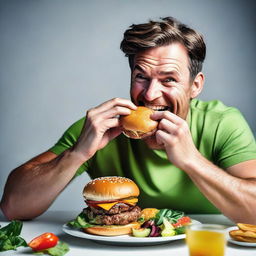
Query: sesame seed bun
x=110 y=188
x=138 y=124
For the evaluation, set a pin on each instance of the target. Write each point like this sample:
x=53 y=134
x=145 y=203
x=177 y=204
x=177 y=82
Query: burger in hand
x=112 y=209
x=138 y=124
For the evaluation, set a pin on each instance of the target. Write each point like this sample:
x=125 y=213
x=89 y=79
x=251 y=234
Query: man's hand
x=174 y=134
x=101 y=126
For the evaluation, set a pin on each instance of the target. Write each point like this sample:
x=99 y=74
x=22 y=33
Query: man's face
x=161 y=81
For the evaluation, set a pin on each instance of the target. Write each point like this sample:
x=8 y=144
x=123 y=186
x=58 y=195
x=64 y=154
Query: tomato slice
x=93 y=205
x=125 y=200
x=99 y=202
x=44 y=241
x=182 y=221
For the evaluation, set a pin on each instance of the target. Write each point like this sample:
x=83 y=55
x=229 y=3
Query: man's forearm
x=32 y=187
x=233 y=196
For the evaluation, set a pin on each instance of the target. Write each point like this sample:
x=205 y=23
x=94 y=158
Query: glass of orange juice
x=206 y=239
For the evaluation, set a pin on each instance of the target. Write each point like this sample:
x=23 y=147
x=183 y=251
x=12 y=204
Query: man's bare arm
x=232 y=191
x=32 y=187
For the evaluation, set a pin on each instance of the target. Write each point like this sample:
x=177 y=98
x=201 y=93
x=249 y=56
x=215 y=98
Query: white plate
x=239 y=242
x=125 y=239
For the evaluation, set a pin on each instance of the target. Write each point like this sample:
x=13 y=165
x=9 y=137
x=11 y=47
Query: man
x=202 y=158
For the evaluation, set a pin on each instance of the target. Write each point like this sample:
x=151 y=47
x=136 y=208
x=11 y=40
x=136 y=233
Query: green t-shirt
x=220 y=133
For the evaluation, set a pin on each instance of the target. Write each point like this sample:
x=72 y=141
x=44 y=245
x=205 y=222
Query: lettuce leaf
x=9 y=236
x=81 y=221
x=171 y=215
x=58 y=250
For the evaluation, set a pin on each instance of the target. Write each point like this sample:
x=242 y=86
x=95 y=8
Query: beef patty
x=119 y=215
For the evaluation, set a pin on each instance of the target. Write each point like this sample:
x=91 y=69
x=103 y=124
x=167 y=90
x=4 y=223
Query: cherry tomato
x=44 y=241
x=182 y=221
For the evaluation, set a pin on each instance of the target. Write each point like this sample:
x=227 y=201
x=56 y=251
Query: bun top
x=139 y=121
x=110 y=188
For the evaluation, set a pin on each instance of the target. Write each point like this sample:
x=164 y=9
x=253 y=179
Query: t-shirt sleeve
x=234 y=139
x=68 y=139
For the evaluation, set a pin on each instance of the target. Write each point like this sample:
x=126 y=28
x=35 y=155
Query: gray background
x=59 y=58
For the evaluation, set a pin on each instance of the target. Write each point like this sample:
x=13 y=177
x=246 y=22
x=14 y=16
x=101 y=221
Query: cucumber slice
x=141 y=232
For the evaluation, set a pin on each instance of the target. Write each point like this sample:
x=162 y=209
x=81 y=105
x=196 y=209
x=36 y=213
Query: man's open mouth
x=156 y=107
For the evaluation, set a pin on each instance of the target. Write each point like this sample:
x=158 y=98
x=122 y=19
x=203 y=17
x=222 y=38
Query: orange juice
x=205 y=242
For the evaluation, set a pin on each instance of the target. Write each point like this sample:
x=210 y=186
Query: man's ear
x=197 y=85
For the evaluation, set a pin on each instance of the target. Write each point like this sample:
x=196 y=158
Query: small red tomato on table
x=44 y=241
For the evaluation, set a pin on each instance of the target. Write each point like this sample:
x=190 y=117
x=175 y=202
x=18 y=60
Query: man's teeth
x=157 y=108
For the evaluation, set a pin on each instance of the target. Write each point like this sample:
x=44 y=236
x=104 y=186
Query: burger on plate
x=138 y=124
x=112 y=208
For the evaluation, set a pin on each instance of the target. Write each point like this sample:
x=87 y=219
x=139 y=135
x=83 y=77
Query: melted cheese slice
x=131 y=201
x=107 y=206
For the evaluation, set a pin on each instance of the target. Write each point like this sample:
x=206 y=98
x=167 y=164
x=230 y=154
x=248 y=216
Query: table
x=52 y=221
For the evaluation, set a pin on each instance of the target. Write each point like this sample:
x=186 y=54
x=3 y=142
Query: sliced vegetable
x=163 y=222
x=99 y=202
x=155 y=231
x=44 y=241
x=148 y=224
x=168 y=229
x=185 y=220
x=141 y=232
x=81 y=221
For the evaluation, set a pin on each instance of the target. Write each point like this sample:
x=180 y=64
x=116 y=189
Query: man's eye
x=140 y=76
x=169 y=79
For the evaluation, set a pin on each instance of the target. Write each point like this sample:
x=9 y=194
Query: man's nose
x=153 y=90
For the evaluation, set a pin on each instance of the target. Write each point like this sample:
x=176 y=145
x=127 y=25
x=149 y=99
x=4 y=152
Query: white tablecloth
x=52 y=221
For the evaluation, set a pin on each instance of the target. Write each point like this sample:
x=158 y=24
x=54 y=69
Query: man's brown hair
x=140 y=37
